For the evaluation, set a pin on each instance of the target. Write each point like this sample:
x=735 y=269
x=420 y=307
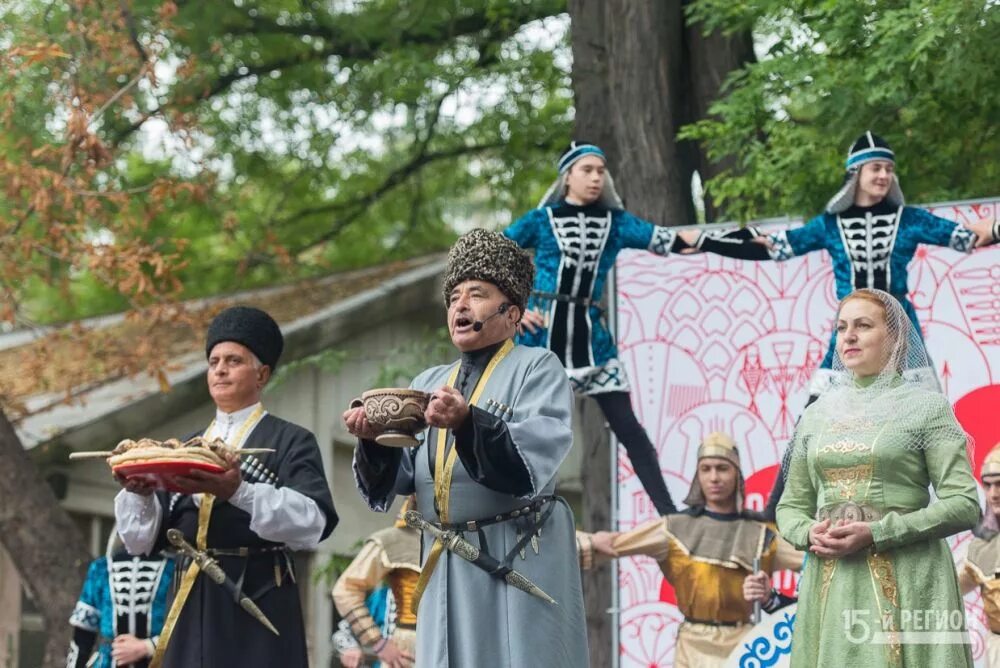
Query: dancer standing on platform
x=871 y=237
x=500 y=426
x=577 y=232
x=707 y=553
x=390 y=555
x=981 y=568
x=248 y=518
x=859 y=468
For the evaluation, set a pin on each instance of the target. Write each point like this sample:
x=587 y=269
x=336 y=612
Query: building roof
x=105 y=404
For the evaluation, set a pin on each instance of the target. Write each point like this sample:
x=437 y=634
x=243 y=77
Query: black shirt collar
x=879 y=209
x=473 y=365
x=478 y=359
x=594 y=207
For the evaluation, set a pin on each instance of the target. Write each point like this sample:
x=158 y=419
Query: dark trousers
x=617 y=408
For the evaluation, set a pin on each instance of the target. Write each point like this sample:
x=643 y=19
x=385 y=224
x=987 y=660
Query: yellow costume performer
x=391 y=555
x=982 y=562
x=705 y=556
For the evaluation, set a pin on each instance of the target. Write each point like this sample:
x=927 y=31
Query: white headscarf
x=899 y=390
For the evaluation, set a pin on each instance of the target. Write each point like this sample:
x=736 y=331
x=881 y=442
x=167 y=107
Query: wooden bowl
x=397 y=413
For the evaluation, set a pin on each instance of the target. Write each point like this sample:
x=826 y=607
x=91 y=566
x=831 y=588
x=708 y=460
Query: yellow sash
x=444 y=466
x=204 y=515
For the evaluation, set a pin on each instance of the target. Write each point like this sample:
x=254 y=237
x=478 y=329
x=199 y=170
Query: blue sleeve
x=635 y=232
x=801 y=240
x=524 y=231
x=930 y=229
x=87 y=613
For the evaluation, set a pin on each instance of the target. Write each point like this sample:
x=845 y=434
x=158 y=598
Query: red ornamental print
x=711 y=343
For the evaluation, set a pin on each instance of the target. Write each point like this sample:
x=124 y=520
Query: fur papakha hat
x=480 y=255
x=250 y=327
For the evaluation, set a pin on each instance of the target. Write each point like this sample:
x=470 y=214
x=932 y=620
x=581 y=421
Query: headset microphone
x=478 y=324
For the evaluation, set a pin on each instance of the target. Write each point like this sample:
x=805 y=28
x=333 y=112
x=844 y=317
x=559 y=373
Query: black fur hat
x=489 y=256
x=250 y=327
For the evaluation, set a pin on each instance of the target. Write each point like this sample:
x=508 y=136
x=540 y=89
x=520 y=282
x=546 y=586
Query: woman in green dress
x=880 y=589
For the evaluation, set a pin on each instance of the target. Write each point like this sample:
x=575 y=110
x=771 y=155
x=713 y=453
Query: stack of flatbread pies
x=197 y=451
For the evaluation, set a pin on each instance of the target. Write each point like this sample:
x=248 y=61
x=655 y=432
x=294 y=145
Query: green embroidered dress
x=851 y=610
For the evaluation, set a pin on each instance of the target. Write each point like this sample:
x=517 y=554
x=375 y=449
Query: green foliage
x=331 y=135
x=326 y=573
x=427 y=348
x=920 y=74
x=329 y=361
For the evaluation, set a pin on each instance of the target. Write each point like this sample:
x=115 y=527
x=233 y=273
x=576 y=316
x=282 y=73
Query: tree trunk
x=592 y=99
x=42 y=541
x=639 y=73
x=593 y=105
x=644 y=43
x=710 y=59
x=595 y=481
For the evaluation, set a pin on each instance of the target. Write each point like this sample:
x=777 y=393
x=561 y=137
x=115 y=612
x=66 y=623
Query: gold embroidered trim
x=444 y=465
x=846 y=479
x=828 y=567
x=883 y=576
x=843 y=447
x=204 y=517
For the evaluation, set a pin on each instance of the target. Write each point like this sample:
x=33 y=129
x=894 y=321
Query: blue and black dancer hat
x=868 y=148
x=574 y=152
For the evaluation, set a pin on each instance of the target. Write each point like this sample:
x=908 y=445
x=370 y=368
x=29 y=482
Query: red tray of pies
x=160 y=472
x=159 y=462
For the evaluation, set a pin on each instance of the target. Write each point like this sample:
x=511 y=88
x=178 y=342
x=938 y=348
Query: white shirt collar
x=236 y=417
x=227 y=425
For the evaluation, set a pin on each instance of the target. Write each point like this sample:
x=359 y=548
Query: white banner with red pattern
x=715 y=344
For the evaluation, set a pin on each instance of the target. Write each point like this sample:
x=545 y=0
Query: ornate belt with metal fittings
x=532 y=506
x=849 y=512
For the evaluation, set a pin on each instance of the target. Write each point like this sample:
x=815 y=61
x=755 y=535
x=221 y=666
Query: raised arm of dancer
x=748 y=244
x=943 y=232
x=644 y=235
x=351 y=590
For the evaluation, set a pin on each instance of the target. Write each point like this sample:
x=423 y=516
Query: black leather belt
x=692 y=620
x=533 y=506
x=244 y=551
x=569 y=299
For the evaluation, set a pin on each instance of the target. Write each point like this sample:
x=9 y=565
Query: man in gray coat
x=499 y=429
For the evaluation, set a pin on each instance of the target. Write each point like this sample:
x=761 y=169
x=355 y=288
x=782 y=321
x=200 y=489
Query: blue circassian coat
x=870 y=247
x=130 y=597
x=575 y=247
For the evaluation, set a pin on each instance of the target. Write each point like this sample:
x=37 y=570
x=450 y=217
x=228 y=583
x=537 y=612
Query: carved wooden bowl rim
x=402 y=393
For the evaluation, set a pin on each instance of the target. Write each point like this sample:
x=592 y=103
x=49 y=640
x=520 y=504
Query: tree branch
x=346 y=42
x=133 y=31
x=356 y=206
x=392 y=180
